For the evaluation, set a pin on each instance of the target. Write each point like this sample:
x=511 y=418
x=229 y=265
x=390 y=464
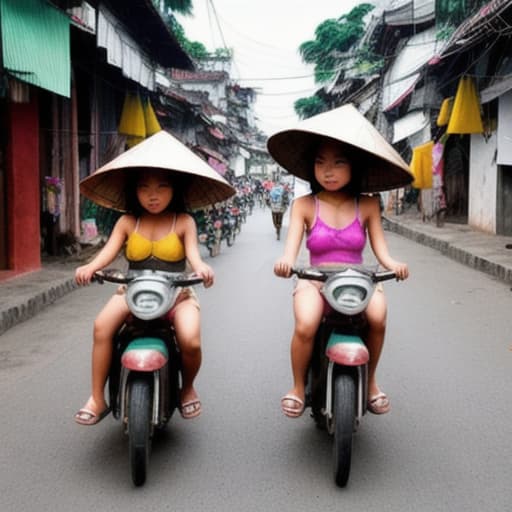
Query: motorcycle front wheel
x=139 y=429
x=344 y=418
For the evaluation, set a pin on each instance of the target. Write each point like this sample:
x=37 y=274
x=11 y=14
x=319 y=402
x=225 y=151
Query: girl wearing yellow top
x=156 y=232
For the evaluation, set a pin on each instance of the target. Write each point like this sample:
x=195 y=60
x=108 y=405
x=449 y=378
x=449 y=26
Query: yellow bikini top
x=169 y=248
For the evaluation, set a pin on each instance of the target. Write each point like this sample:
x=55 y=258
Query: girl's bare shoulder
x=305 y=203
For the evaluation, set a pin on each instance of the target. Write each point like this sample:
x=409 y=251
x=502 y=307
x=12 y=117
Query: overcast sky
x=265 y=36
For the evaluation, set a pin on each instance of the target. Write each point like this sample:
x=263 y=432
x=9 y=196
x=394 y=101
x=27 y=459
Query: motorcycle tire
x=139 y=429
x=344 y=420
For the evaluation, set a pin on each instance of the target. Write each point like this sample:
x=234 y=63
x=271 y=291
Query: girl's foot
x=190 y=404
x=379 y=403
x=90 y=413
x=292 y=405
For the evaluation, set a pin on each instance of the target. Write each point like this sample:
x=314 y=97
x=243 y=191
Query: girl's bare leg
x=108 y=321
x=308 y=309
x=376 y=314
x=187 y=324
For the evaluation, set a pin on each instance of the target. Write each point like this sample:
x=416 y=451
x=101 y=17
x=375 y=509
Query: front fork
x=158 y=408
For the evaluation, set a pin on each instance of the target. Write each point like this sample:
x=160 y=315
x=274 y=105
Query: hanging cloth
x=132 y=123
x=444 y=112
x=150 y=119
x=421 y=165
x=465 y=116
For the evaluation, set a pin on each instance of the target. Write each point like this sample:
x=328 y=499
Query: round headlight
x=348 y=292
x=149 y=298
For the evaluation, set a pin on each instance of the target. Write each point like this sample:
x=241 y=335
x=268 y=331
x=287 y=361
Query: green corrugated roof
x=35 y=44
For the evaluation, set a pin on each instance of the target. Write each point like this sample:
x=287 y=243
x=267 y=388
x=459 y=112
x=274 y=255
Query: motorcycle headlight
x=348 y=292
x=150 y=298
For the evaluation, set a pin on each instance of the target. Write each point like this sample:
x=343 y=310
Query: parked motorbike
x=337 y=383
x=144 y=378
x=206 y=233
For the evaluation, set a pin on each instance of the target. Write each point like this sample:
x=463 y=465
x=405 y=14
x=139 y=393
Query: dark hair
x=355 y=156
x=179 y=184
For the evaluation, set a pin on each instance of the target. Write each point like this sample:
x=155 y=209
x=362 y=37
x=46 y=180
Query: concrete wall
x=483 y=179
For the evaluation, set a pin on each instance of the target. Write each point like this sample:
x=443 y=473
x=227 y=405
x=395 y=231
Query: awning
x=216 y=133
x=404 y=73
x=123 y=52
x=394 y=93
x=409 y=125
x=211 y=152
x=485 y=23
x=500 y=86
x=409 y=12
x=35 y=44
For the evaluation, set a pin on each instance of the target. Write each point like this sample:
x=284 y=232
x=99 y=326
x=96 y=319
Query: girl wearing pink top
x=336 y=220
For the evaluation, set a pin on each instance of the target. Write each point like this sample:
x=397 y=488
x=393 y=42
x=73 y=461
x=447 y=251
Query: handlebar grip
x=308 y=274
x=100 y=278
x=188 y=282
x=386 y=275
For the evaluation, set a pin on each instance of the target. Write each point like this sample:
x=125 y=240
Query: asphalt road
x=445 y=446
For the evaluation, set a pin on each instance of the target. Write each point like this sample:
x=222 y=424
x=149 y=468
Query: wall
x=23 y=186
x=482 y=183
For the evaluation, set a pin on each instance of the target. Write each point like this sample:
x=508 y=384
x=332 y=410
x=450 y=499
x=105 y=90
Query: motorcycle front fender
x=145 y=355
x=346 y=350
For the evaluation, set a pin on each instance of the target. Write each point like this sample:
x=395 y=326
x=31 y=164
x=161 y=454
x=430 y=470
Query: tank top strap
x=357 y=208
x=137 y=225
x=174 y=223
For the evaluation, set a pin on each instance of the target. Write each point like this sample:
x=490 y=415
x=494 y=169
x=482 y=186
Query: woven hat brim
x=383 y=167
x=107 y=185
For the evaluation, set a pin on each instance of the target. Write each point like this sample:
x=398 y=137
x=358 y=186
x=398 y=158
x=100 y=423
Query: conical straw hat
x=383 y=167
x=106 y=186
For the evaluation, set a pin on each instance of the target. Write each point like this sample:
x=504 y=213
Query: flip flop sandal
x=379 y=404
x=191 y=409
x=292 y=412
x=87 y=417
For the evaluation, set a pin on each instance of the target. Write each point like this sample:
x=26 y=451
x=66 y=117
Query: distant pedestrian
x=279 y=199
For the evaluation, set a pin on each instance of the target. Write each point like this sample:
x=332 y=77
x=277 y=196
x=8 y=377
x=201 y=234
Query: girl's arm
x=378 y=241
x=283 y=265
x=107 y=254
x=192 y=250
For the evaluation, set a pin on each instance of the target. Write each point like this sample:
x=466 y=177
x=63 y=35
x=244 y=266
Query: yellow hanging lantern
x=445 y=112
x=421 y=165
x=150 y=119
x=132 y=121
x=465 y=116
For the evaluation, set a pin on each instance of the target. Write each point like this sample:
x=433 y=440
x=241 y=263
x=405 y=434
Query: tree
x=181 y=6
x=308 y=107
x=333 y=38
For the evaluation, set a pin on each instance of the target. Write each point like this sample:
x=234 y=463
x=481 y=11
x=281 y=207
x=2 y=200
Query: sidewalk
x=23 y=297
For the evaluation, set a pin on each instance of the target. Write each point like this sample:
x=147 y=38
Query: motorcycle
x=337 y=381
x=144 y=378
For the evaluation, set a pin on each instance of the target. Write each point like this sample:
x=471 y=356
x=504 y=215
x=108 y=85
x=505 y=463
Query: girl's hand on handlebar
x=83 y=274
x=401 y=270
x=206 y=272
x=283 y=268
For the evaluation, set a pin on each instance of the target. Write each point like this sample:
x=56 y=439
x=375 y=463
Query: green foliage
x=367 y=61
x=181 y=6
x=308 y=107
x=195 y=49
x=332 y=37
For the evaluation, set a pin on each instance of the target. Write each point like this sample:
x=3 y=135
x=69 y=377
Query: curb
x=452 y=251
x=28 y=308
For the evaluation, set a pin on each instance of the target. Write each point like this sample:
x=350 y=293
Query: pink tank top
x=330 y=245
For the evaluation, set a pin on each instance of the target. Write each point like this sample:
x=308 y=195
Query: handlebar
x=115 y=276
x=317 y=274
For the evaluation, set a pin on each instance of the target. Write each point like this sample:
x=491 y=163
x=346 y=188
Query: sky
x=265 y=36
